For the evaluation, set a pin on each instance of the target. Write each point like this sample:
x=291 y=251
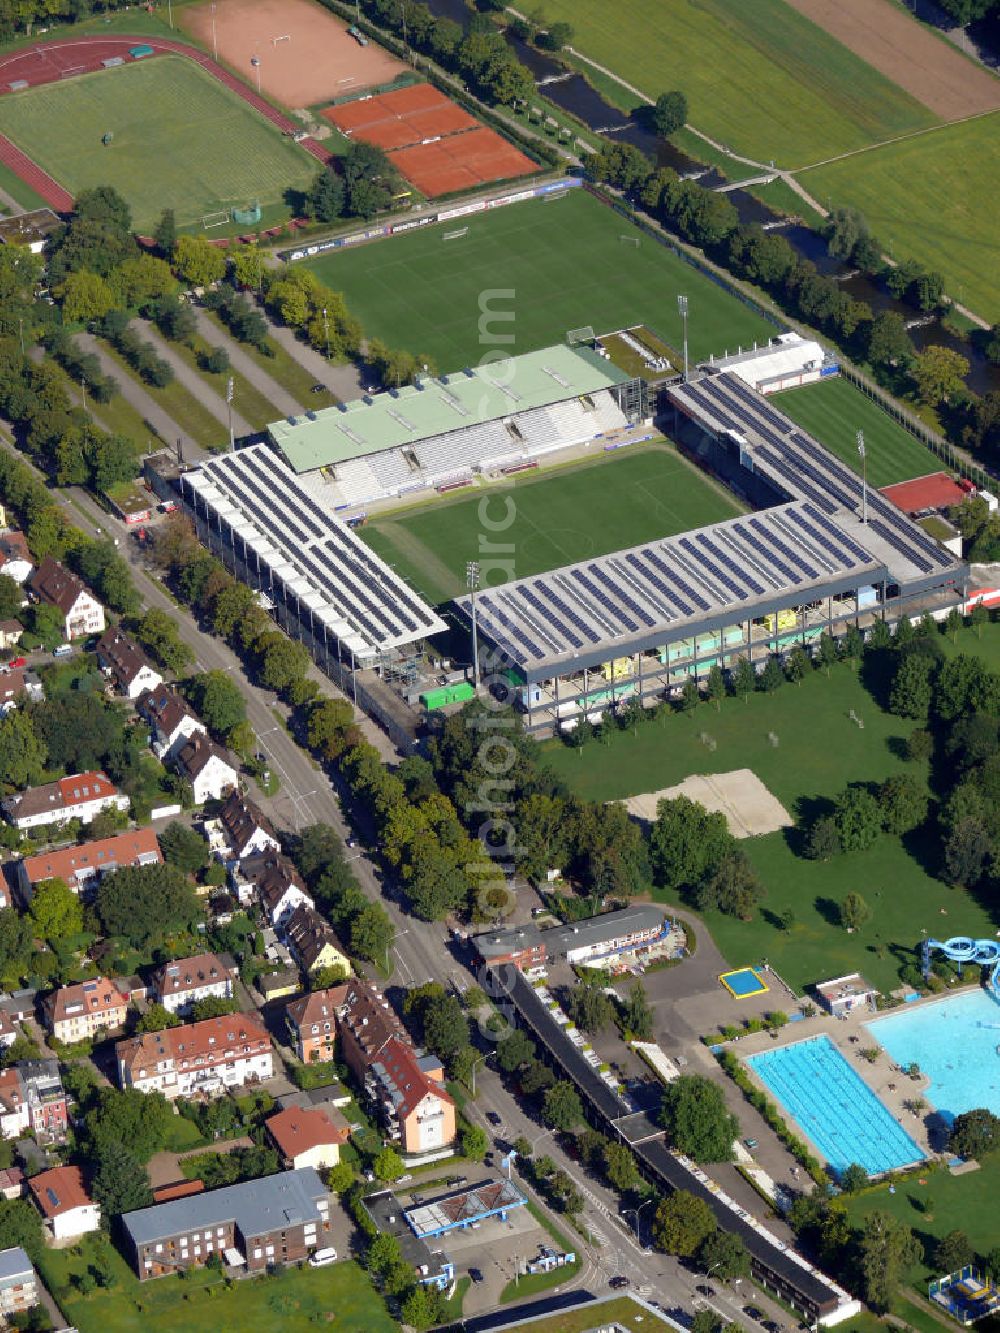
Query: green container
x=446 y=694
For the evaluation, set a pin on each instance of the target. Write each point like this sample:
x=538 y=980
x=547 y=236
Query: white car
x=323 y=1257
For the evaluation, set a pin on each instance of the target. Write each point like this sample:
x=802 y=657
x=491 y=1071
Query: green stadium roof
x=466 y=398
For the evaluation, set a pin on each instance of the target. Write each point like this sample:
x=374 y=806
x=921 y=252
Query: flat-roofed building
x=18 y=1282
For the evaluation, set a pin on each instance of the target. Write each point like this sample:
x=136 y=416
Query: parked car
x=754 y=1312
x=493 y=1118
x=16 y=662
x=476 y=1274
x=323 y=1257
x=703 y=1289
x=617 y=1283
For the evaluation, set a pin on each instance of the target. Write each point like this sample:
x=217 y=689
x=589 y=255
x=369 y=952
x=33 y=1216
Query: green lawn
x=619 y=1311
x=758 y=76
x=931 y=198
x=819 y=751
x=561 y=517
x=296 y=1300
x=834 y=411
x=957 y=1203
x=181 y=139
x=545 y=268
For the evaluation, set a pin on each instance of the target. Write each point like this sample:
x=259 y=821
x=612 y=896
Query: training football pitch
x=541 y=268
x=559 y=517
x=759 y=77
x=933 y=198
x=181 y=140
x=834 y=411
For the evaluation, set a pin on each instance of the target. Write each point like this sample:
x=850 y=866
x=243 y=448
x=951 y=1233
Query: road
x=342 y=379
x=246 y=365
x=199 y=389
x=423 y=951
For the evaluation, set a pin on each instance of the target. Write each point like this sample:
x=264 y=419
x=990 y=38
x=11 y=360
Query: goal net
x=585 y=334
x=454 y=235
x=218 y=219
x=634 y=241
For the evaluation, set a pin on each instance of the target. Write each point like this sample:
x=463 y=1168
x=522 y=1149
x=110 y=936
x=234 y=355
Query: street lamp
x=475 y=1065
x=472 y=583
x=636 y=1212
x=860 y=438
x=682 y=306
x=326 y=330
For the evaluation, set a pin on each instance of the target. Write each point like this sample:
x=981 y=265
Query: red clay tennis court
x=437 y=146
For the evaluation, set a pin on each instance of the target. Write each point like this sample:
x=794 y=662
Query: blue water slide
x=962 y=949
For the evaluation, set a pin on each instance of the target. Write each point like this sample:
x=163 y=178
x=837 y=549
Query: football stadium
x=806 y=546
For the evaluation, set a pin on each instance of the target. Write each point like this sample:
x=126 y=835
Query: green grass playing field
x=931 y=198
x=834 y=411
x=567 y=515
x=181 y=140
x=553 y=266
x=758 y=76
x=819 y=750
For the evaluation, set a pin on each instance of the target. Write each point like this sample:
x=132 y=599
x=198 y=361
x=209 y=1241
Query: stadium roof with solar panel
x=467 y=398
x=786 y=566
x=340 y=590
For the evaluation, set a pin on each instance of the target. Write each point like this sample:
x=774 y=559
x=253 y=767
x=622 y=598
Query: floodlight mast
x=682 y=306
x=472 y=583
x=860 y=438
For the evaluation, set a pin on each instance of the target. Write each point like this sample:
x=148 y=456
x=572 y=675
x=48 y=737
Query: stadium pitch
x=180 y=140
x=834 y=411
x=561 y=516
x=542 y=268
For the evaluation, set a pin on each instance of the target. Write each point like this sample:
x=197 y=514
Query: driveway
x=344 y=380
x=197 y=387
x=247 y=366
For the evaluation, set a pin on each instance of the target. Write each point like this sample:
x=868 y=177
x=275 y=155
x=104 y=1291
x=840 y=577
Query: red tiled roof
x=319 y=1006
x=99 y=996
x=179 y=1191
x=935 y=491
x=184 y=974
x=409 y=1084
x=296 y=1130
x=124 y=849
x=59 y=1190
x=85 y=787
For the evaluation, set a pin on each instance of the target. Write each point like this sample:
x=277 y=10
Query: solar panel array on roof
x=355 y=594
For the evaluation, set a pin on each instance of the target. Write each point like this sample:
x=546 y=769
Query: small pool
x=834 y=1106
x=955 y=1042
x=744 y=982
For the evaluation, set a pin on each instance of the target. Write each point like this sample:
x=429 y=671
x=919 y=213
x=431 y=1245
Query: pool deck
x=884 y=1077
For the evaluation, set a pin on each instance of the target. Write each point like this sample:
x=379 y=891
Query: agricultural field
x=834 y=411
x=180 y=140
x=759 y=77
x=802 y=743
x=931 y=198
x=543 y=268
x=561 y=516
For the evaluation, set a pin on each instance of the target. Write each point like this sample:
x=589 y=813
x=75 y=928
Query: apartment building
x=241 y=830
x=32 y=1098
x=85 y=1011
x=179 y=984
x=207 y=1058
x=82 y=796
x=312 y=1023
x=82 y=867
x=54 y=585
x=313 y=941
x=18 y=1282
x=277 y=884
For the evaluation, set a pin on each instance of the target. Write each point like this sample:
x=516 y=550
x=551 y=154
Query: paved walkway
x=137 y=396
x=201 y=391
x=247 y=366
x=344 y=380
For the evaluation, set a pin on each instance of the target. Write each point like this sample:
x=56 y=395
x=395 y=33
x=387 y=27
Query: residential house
x=83 y=866
x=278 y=985
x=312 y=1023
x=275 y=1220
x=18 y=685
x=18 y=1283
x=179 y=984
x=211 y=770
x=171 y=721
x=11 y=1182
x=405 y=1086
x=125 y=664
x=32 y=1098
x=85 y=1011
x=10 y=633
x=55 y=585
x=209 y=1057
x=15 y=558
x=242 y=830
x=308 y=1138
x=278 y=885
x=67 y=1208
x=313 y=941
x=82 y=796
x=8 y=1029
x=31 y=229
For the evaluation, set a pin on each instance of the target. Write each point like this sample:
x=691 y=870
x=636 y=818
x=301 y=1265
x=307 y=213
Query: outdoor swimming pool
x=954 y=1041
x=834 y=1106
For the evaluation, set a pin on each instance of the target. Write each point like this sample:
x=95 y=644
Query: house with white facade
x=15 y=558
x=179 y=984
x=212 y=772
x=278 y=886
x=171 y=721
x=18 y=1282
x=241 y=830
x=125 y=664
x=82 y=796
x=83 y=867
x=66 y=1207
x=54 y=585
x=207 y=1058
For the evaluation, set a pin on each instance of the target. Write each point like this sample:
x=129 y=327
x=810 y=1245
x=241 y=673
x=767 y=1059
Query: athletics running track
x=51 y=62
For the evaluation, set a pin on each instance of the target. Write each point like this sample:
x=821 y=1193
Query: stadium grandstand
x=821 y=552
x=439 y=432
x=321 y=581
